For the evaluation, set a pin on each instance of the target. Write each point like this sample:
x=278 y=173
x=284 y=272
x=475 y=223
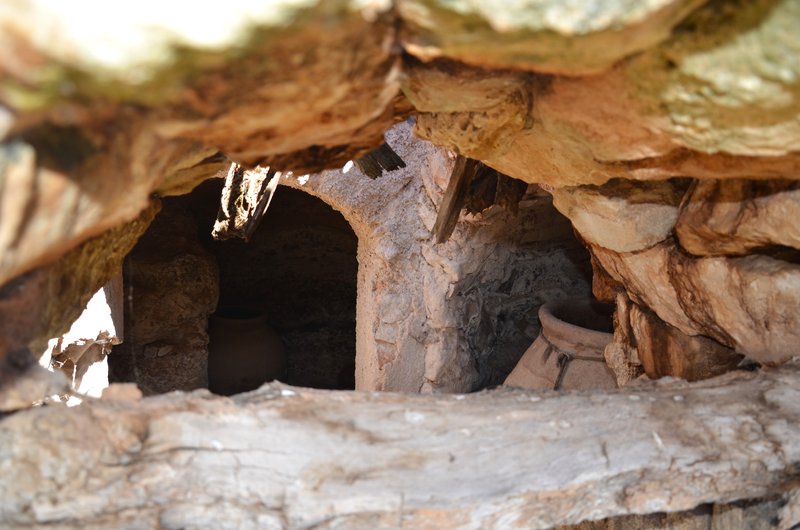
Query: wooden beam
x=285 y=457
x=454 y=197
x=374 y=163
x=245 y=198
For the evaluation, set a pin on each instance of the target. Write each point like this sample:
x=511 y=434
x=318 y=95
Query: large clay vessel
x=244 y=352
x=568 y=353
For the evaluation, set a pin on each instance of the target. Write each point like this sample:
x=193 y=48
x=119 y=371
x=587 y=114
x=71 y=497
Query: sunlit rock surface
x=94 y=118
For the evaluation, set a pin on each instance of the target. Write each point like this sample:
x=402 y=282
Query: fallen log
x=284 y=457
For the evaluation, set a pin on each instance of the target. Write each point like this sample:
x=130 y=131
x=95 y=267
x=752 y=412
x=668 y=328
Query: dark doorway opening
x=298 y=272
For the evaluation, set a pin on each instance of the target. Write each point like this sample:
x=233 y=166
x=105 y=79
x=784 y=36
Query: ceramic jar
x=568 y=353
x=244 y=352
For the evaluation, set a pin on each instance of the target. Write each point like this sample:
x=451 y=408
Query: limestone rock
x=167 y=99
x=623 y=216
x=604 y=287
x=23 y=301
x=121 y=392
x=567 y=131
x=255 y=81
x=621 y=354
x=285 y=457
x=664 y=350
x=735 y=217
x=30 y=386
x=64 y=185
x=78 y=95
x=548 y=36
x=675 y=110
x=729 y=79
x=749 y=304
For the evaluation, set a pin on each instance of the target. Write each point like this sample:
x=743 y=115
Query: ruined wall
x=454 y=316
x=434 y=317
x=299 y=268
x=171 y=287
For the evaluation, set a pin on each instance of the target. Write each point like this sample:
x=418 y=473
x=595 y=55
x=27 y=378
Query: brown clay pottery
x=244 y=352
x=568 y=353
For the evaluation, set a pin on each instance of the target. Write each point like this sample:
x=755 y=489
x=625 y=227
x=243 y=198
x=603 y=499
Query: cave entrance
x=297 y=276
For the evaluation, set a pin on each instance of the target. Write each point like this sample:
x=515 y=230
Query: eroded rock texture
x=681 y=251
x=736 y=217
x=293 y=458
x=95 y=117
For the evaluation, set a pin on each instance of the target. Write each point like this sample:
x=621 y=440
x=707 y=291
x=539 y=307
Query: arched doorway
x=299 y=269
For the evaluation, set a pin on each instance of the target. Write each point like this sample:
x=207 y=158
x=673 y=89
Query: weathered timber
x=285 y=457
x=509 y=192
x=489 y=187
x=245 y=199
x=374 y=163
x=454 y=197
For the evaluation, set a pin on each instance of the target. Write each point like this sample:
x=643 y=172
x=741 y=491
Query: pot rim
x=558 y=330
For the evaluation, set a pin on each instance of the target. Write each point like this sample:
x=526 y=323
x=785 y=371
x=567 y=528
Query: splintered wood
x=285 y=457
x=374 y=163
x=245 y=199
x=473 y=187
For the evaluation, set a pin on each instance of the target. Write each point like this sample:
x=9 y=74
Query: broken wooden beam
x=374 y=163
x=245 y=198
x=474 y=187
x=454 y=197
x=285 y=457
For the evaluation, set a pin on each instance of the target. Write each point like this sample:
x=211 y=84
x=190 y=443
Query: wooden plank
x=374 y=163
x=285 y=457
x=454 y=197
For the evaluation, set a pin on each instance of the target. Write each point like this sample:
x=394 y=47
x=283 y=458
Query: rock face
x=645 y=343
x=748 y=304
x=287 y=458
x=623 y=216
x=544 y=92
x=736 y=217
x=682 y=252
x=172 y=288
x=545 y=36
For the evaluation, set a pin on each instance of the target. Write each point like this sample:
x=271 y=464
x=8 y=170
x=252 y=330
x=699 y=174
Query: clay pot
x=244 y=352
x=568 y=353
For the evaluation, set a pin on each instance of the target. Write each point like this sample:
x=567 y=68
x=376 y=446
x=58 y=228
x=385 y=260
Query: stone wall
x=171 y=287
x=454 y=316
